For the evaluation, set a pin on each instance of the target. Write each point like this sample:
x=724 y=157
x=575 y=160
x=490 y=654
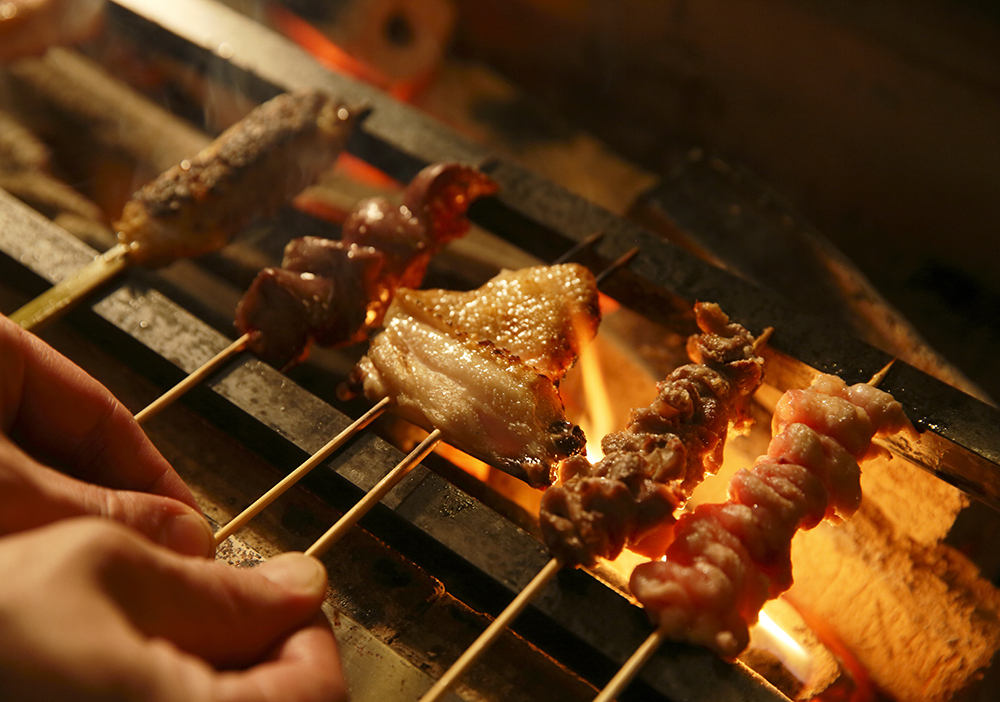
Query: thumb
x=32 y=495
x=228 y=616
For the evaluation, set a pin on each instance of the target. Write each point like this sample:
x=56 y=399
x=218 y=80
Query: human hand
x=53 y=414
x=89 y=610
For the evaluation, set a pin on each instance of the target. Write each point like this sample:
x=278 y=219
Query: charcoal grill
x=462 y=550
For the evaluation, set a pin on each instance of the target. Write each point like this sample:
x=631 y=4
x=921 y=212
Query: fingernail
x=296 y=571
x=188 y=534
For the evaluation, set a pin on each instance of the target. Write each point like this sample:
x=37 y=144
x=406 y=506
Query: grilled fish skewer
x=251 y=170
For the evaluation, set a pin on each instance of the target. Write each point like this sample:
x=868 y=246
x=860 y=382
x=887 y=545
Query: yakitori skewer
x=565 y=292
x=648 y=470
x=565 y=287
x=334 y=292
x=251 y=170
x=821 y=479
x=347 y=285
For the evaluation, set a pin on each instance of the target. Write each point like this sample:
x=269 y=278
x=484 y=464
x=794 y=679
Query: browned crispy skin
x=483 y=398
x=482 y=366
x=250 y=171
x=542 y=314
x=650 y=468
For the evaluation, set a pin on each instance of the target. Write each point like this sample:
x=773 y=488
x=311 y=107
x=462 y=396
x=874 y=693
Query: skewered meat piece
x=728 y=559
x=323 y=292
x=251 y=170
x=336 y=292
x=434 y=360
x=432 y=213
x=651 y=467
x=517 y=311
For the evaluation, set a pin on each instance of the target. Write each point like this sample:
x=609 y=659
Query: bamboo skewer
x=632 y=666
x=191 y=380
x=493 y=631
x=60 y=297
x=271 y=495
x=374 y=495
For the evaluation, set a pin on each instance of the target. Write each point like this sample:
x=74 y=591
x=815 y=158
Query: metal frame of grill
x=959 y=442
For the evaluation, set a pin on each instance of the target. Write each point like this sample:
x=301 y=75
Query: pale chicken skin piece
x=728 y=559
x=484 y=400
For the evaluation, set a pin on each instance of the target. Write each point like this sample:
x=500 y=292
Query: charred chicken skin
x=250 y=171
x=455 y=362
x=728 y=559
x=650 y=468
x=335 y=292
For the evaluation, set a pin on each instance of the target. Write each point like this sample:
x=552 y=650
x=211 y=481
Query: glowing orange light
x=772 y=637
x=332 y=56
x=598 y=419
x=320 y=46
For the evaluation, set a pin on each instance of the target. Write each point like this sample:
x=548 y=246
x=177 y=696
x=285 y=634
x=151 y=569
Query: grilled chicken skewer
x=333 y=292
x=482 y=366
x=649 y=469
x=561 y=298
x=728 y=559
x=564 y=305
x=251 y=170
